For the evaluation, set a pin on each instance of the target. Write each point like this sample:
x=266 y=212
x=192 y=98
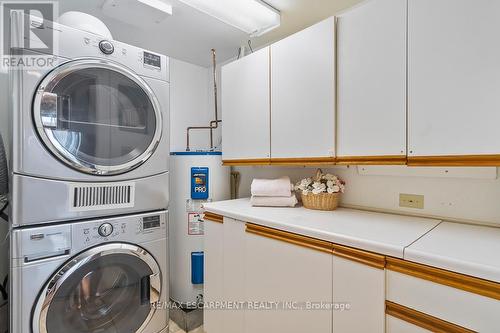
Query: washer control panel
x=133 y=229
x=105 y=229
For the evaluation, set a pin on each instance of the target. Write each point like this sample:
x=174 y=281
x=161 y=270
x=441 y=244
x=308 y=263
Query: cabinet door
x=246 y=107
x=303 y=93
x=294 y=277
x=234 y=276
x=363 y=288
x=454 y=77
x=395 y=325
x=372 y=81
x=214 y=268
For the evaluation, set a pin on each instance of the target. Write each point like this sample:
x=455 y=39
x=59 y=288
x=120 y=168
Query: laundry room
x=249 y=166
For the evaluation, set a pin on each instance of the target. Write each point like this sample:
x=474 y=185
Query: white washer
x=107 y=275
x=89 y=135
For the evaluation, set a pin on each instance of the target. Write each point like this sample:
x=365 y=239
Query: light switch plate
x=411 y=200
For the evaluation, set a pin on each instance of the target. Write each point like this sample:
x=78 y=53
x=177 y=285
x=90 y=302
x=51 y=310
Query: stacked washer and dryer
x=89 y=187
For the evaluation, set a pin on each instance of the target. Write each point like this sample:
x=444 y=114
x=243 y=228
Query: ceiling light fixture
x=254 y=17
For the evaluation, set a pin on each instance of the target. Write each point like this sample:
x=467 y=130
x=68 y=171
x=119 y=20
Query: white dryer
x=90 y=134
x=107 y=275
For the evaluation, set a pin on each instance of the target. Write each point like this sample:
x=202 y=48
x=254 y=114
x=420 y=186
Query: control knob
x=106 y=47
x=105 y=229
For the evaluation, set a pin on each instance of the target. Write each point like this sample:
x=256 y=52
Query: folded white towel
x=280 y=187
x=290 y=201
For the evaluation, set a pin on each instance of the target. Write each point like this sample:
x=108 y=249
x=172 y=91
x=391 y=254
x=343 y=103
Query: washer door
x=97 y=116
x=107 y=289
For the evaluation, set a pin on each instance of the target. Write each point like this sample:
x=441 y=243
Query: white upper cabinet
x=372 y=80
x=454 y=77
x=303 y=93
x=245 y=107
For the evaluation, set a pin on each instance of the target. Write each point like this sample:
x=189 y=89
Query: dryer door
x=97 y=116
x=108 y=289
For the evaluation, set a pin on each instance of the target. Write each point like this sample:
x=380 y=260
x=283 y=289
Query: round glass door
x=108 y=289
x=97 y=117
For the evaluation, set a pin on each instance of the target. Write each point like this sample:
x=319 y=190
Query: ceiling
x=189 y=34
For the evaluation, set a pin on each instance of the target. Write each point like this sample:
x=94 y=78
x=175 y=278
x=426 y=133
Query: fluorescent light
x=255 y=17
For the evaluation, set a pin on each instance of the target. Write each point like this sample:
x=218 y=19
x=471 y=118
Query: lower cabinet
x=259 y=279
x=267 y=281
x=294 y=279
x=362 y=287
x=214 y=264
x=440 y=300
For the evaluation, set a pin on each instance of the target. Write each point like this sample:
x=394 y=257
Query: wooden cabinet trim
x=281 y=161
x=360 y=256
x=429 y=161
x=437 y=275
x=423 y=320
x=372 y=160
x=311 y=243
x=247 y=162
x=303 y=161
x=455 y=160
x=213 y=217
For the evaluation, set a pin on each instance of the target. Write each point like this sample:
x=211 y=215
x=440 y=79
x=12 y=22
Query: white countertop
x=386 y=234
x=467 y=249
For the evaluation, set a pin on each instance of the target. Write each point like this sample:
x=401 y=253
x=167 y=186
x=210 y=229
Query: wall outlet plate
x=411 y=200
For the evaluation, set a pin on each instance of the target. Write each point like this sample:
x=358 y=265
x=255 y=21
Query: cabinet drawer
x=463 y=308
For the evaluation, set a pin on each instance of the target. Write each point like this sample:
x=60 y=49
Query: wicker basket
x=321 y=201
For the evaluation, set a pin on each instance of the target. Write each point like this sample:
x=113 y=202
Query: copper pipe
x=214 y=124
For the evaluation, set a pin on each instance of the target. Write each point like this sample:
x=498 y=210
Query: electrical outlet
x=411 y=200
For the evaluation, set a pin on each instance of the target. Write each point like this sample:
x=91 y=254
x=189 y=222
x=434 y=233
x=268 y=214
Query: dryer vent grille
x=101 y=196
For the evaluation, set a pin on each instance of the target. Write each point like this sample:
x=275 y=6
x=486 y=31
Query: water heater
x=195 y=178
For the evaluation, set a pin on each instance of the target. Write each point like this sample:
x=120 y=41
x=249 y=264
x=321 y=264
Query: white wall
x=462 y=199
x=4 y=244
x=191 y=104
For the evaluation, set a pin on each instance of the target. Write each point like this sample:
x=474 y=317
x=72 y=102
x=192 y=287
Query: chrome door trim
x=74 y=264
x=53 y=78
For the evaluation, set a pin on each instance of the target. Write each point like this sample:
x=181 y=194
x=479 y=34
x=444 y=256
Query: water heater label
x=199 y=183
x=195 y=224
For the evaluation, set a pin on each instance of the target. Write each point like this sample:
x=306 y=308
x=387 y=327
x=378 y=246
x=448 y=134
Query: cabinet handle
x=213 y=217
x=456 y=280
x=423 y=320
x=288 y=237
x=360 y=256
